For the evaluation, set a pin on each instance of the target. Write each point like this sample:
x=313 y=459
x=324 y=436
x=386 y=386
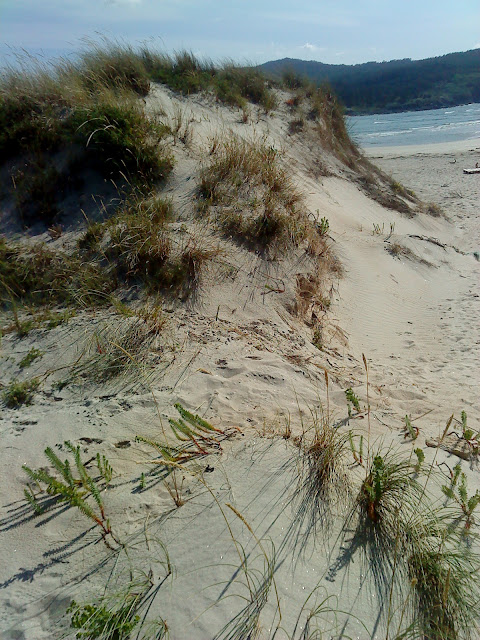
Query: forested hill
x=398 y=85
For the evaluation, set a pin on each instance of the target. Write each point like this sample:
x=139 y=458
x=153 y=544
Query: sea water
x=416 y=127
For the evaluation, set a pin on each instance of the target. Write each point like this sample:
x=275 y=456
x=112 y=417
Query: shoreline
x=436 y=148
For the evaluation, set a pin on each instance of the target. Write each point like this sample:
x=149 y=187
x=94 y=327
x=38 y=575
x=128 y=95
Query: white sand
x=240 y=358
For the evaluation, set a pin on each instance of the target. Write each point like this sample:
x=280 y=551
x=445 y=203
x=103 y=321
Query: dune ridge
x=274 y=327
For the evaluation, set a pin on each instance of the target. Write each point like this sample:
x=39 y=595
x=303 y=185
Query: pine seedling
x=352 y=397
x=197 y=438
x=388 y=488
x=410 y=430
x=192 y=428
x=458 y=491
x=73 y=490
x=105 y=468
x=469 y=435
x=31 y=498
x=420 y=458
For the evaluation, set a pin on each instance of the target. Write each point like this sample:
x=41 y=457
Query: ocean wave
x=419 y=127
x=385 y=134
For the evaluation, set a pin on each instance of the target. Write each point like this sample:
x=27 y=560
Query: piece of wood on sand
x=453 y=444
x=476 y=170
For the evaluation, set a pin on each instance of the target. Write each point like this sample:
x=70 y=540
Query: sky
x=332 y=31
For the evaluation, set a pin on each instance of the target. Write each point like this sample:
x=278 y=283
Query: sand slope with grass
x=200 y=335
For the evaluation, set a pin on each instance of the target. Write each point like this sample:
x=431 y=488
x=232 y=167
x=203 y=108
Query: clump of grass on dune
x=121 y=348
x=139 y=246
x=231 y=84
x=40 y=275
x=416 y=542
x=89 y=111
x=252 y=195
x=444 y=572
x=19 y=393
x=322 y=107
x=331 y=127
x=236 y=85
x=323 y=487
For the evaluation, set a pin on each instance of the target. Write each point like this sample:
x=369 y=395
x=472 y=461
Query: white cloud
x=311 y=47
x=476 y=46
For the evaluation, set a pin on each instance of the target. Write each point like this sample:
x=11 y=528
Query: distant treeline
x=399 y=85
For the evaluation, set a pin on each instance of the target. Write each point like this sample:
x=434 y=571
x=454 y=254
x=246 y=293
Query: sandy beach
x=407 y=304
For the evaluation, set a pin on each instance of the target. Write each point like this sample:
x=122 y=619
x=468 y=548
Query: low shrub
x=18 y=393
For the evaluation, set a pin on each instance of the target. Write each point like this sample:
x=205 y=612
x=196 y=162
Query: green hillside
x=398 y=85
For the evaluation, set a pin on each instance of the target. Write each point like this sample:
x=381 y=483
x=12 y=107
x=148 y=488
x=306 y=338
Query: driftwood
x=453 y=444
x=427 y=239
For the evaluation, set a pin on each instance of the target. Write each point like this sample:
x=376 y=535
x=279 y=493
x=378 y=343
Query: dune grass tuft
x=41 y=275
x=252 y=195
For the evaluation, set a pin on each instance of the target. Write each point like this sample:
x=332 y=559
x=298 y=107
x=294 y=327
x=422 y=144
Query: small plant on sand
x=420 y=455
x=469 y=435
x=410 y=430
x=73 y=490
x=30 y=357
x=458 y=491
x=352 y=398
x=357 y=455
x=323 y=226
x=317 y=337
x=197 y=437
x=325 y=458
x=54 y=320
x=18 y=393
x=119 y=614
x=120 y=349
x=388 y=489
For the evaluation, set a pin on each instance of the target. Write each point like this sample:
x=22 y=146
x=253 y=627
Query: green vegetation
x=18 y=393
x=230 y=84
x=410 y=430
x=388 y=489
x=352 y=398
x=458 y=491
x=323 y=484
x=357 y=454
x=119 y=613
x=197 y=438
x=119 y=348
x=41 y=275
x=30 y=357
x=444 y=573
x=75 y=491
x=252 y=196
x=398 y=85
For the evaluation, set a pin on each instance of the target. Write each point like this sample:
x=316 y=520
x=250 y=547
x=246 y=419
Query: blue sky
x=334 y=31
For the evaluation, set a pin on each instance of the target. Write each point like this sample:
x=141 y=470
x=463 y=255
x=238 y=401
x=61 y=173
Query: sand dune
x=408 y=300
